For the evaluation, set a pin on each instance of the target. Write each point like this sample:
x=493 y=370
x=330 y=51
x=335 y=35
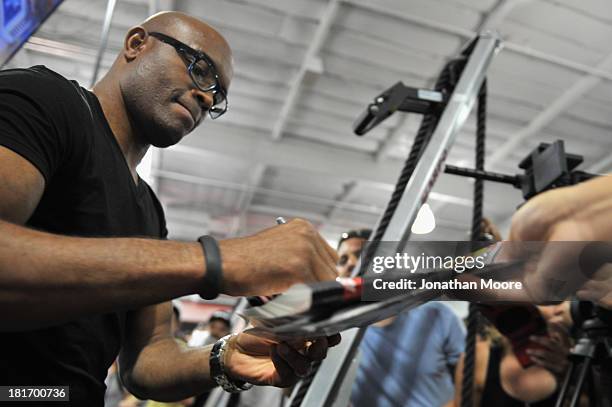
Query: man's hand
x=264 y=362
x=581 y=213
x=276 y=258
x=599 y=288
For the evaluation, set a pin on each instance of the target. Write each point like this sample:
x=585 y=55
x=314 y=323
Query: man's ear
x=134 y=42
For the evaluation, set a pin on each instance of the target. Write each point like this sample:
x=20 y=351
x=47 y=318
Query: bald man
x=85 y=270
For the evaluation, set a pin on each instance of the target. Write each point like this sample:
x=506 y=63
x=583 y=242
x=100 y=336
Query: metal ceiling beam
x=469 y=34
x=498 y=13
x=311 y=62
x=108 y=19
x=305 y=155
x=553 y=110
x=601 y=165
x=393 y=136
x=61 y=49
x=246 y=199
x=555 y=60
x=156 y=6
x=348 y=190
x=196 y=180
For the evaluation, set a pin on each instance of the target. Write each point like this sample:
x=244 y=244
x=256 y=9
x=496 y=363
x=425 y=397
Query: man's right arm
x=48 y=279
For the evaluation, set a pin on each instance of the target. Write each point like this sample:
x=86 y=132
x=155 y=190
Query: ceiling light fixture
x=425 y=222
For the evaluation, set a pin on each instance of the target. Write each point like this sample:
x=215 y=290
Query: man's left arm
x=154 y=365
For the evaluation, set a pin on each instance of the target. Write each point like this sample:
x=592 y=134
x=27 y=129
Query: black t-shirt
x=60 y=128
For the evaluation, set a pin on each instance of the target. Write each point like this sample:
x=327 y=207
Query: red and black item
x=517 y=322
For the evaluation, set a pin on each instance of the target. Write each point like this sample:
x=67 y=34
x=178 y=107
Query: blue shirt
x=406 y=363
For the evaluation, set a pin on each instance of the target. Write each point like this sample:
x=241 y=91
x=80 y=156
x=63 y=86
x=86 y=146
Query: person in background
x=216 y=328
x=219 y=325
x=349 y=249
x=499 y=377
x=407 y=360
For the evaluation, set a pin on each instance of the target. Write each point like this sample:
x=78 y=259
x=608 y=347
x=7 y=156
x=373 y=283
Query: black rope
x=304 y=385
x=467 y=388
x=481 y=129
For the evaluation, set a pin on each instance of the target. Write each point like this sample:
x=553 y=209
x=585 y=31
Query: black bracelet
x=214 y=273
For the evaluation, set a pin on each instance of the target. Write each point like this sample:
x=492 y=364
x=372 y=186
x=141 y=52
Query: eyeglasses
x=202 y=72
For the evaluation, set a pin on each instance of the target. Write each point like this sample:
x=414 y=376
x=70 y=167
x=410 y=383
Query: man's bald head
x=176 y=23
x=162 y=100
x=192 y=31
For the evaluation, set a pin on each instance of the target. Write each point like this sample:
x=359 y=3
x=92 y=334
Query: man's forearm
x=169 y=371
x=48 y=279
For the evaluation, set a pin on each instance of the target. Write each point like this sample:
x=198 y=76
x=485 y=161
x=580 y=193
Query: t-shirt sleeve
x=455 y=340
x=33 y=116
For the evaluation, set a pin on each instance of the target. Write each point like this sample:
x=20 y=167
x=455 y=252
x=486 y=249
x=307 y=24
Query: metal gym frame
x=445 y=114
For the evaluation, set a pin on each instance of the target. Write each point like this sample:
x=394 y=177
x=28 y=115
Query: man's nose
x=349 y=269
x=205 y=100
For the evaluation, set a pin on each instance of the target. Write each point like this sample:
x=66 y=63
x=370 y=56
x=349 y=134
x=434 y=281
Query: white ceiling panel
x=534 y=71
x=478 y=5
x=592 y=112
x=303 y=9
x=395 y=33
x=514 y=86
x=535 y=38
x=602 y=94
x=436 y=10
x=359 y=47
x=595 y=9
x=575 y=28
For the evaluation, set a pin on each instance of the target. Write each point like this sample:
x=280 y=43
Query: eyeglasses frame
x=197 y=55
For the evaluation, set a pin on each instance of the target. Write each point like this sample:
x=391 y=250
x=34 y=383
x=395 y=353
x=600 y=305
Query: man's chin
x=167 y=140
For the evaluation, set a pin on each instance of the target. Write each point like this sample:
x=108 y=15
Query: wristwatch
x=217 y=368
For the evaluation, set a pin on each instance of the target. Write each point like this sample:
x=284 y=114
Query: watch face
x=217 y=371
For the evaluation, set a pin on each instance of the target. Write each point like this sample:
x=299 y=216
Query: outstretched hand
x=566 y=221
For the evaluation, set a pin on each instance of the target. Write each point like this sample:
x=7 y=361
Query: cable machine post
x=323 y=388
